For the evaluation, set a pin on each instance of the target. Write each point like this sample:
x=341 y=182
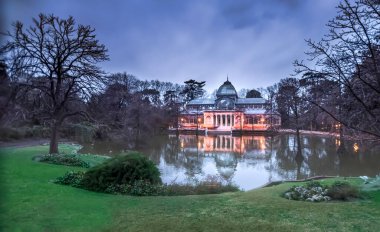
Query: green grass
x=31 y=202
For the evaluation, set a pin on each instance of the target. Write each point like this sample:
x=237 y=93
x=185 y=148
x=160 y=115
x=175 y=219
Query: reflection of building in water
x=226 y=150
x=228 y=113
x=226 y=165
x=223 y=143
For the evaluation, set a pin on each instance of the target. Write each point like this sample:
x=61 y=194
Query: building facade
x=228 y=113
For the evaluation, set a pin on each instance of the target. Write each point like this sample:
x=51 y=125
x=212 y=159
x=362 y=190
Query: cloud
x=254 y=42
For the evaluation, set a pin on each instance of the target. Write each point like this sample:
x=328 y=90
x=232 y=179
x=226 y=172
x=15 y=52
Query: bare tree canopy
x=348 y=57
x=56 y=59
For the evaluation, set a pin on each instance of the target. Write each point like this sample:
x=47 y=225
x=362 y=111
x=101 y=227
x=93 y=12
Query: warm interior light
x=356 y=147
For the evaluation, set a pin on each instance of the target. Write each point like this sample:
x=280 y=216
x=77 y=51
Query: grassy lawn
x=30 y=202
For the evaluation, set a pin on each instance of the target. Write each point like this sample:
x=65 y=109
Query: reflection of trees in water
x=172 y=152
x=321 y=157
x=287 y=166
x=193 y=165
x=353 y=163
x=278 y=154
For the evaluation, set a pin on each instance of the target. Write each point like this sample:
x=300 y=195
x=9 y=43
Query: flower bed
x=314 y=191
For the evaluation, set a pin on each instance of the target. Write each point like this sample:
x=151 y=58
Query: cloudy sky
x=254 y=42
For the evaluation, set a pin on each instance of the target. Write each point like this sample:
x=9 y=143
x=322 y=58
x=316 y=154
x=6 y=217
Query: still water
x=252 y=161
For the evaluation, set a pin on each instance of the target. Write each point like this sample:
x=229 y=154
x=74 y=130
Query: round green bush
x=121 y=170
x=342 y=190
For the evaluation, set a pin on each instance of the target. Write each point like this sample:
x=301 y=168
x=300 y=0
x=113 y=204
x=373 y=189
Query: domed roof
x=227 y=89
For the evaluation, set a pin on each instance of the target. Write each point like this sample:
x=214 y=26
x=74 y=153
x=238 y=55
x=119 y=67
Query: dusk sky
x=253 y=42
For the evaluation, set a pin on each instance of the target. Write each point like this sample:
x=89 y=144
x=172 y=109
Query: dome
x=227 y=89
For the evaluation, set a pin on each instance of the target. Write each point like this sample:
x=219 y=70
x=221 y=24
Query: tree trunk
x=54 y=139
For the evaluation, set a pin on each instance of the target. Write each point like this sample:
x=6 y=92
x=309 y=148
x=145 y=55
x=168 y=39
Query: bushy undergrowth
x=62 y=159
x=209 y=185
x=145 y=188
x=314 y=191
x=71 y=178
x=121 y=170
x=341 y=190
x=14 y=133
x=133 y=174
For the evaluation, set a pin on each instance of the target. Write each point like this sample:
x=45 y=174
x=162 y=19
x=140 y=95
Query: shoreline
x=328 y=134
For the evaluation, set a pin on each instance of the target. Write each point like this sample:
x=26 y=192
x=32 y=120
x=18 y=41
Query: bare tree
x=57 y=59
x=349 y=57
x=291 y=104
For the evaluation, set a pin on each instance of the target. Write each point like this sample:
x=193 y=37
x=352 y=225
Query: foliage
x=62 y=159
x=313 y=184
x=71 y=178
x=137 y=188
x=210 y=185
x=342 y=190
x=199 y=189
x=253 y=93
x=10 y=133
x=81 y=132
x=121 y=170
x=7 y=133
x=314 y=191
x=193 y=89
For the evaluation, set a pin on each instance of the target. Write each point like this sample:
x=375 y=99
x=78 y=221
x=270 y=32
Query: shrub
x=83 y=132
x=342 y=190
x=40 y=131
x=316 y=192
x=9 y=133
x=71 y=178
x=62 y=159
x=138 y=188
x=121 y=170
x=199 y=189
x=307 y=193
x=134 y=174
x=313 y=184
x=209 y=185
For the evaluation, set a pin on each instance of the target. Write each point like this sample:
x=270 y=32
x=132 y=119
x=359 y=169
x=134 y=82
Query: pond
x=252 y=161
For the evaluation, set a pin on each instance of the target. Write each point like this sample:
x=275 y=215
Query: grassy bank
x=31 y=202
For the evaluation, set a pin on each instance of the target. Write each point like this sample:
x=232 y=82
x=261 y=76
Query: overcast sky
x=254 y=42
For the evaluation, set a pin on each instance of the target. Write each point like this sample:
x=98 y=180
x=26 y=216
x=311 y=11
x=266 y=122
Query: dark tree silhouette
x=349 y=57
x=5 y=90
x=193 y=89
x=290 y=104
x=56 y=58
x=253 y=94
